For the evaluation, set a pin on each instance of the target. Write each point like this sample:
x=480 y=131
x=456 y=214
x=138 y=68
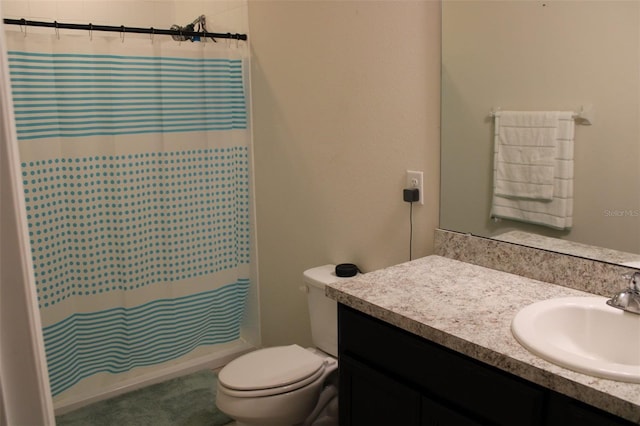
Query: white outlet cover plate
x=412 y=177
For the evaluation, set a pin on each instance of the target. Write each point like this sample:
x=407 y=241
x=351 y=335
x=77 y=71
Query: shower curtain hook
x=122 y=34
x=206 y=36
x=152 y=35
x=237 y=39
x=57 y=29
x=90 y=31
x=23 y=22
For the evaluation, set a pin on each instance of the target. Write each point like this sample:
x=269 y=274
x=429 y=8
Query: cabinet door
x=567 y=411
x=436 y=414
x=456 y=380
x=370 y=398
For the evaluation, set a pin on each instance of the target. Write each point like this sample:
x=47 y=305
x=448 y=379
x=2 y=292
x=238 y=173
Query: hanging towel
x=525 y=154
x=557 y=212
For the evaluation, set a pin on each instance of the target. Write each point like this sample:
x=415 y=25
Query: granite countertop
x=469 y=309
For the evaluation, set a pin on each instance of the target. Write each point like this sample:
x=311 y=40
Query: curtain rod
x=122 y=29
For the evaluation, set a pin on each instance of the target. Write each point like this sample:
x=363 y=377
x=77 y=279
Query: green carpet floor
x=184 y=401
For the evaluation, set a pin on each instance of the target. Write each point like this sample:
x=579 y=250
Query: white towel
x=558 y=212
x=525 y=152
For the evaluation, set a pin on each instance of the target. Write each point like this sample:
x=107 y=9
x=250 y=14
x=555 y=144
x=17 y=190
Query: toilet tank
x=323 y=312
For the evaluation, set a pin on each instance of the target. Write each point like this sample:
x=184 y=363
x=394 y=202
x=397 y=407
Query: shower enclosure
x=135 y=156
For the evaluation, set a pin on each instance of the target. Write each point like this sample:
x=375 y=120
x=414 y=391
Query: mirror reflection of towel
x=528 y=201
x=525 y=153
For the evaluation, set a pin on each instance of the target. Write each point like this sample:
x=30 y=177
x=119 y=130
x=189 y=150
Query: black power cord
x=411 y=195
x=410 y=230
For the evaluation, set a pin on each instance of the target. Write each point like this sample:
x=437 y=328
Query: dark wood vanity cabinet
x=389 y=376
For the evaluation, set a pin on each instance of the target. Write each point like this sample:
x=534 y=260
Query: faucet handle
x=634 y=281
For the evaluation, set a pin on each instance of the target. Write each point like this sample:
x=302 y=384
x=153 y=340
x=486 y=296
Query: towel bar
x=584 y=116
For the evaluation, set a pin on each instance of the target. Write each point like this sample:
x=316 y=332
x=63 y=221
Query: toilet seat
x=271 y=371
x=272 y=391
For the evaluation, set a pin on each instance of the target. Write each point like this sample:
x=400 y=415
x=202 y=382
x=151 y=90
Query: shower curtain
x=135 y=164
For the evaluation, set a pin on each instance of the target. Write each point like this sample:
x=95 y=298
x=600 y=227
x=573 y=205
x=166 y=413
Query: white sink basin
x=582 y=334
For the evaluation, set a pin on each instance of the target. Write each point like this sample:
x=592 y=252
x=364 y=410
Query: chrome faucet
x=628 y=300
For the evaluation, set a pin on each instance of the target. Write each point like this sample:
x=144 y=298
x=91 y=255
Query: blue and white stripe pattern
x=119 y=339
x=75 y=95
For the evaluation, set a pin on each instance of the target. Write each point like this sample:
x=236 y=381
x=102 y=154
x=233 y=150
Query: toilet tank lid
x=322 y=275
x=269 y=368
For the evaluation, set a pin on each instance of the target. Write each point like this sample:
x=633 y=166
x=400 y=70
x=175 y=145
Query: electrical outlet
x=414 y=180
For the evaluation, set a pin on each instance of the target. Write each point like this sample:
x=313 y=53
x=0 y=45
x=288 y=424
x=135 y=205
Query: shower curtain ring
x=57 y=29
x=23 y=22
x=152 y=35
x=122 y=33
x=90 y=31
x=206 y=33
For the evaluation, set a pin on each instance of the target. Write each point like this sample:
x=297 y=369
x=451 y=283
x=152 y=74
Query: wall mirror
x=545 y=56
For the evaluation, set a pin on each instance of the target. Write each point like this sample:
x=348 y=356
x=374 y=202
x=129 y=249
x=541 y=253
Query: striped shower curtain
x=135 y=159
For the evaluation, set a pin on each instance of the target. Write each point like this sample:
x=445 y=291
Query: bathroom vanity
x=428 y=342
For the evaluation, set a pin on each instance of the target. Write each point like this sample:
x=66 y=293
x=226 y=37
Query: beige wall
x=345 y=100
x=533 y=55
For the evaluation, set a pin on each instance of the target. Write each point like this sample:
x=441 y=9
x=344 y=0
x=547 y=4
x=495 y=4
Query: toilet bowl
x=289 y=385
x=276 y=386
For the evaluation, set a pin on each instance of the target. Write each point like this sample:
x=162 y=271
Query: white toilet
x=289 y=385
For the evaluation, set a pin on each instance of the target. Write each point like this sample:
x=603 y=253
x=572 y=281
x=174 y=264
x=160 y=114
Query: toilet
x=289 y=385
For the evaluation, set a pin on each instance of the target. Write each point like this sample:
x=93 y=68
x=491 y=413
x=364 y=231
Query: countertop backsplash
x=601 y=278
